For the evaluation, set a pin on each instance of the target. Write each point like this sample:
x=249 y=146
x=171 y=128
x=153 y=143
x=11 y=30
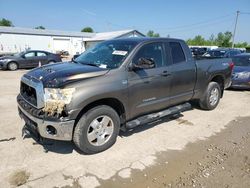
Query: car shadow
x=67 y=147
x=150 y=125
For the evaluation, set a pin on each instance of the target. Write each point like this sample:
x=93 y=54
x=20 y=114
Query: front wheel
x=212 y=96
x=12 y=66
x=97 y=129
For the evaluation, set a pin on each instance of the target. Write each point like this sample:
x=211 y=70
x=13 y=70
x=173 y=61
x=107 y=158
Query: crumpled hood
x=59 y=74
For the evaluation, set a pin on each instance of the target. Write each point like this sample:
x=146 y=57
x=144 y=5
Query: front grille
x=29 y=108
x=29 y=93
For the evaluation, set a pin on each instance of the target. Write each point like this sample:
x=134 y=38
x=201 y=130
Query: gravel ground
x=199 y=148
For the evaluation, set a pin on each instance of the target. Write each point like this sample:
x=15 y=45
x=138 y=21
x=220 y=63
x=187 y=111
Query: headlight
x=64 y=95
x=243 y=75
x=4 y=60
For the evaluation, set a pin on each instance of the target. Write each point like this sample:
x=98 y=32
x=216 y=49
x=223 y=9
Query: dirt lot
x=198 y=149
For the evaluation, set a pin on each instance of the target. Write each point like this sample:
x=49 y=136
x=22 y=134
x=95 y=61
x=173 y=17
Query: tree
x=40 y=27
x=223 y=39
x=5 y=22
x=88 y=30
x=151 y=33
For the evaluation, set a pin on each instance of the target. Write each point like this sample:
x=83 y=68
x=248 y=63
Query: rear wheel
x=212 y=96
x=12 y=66
x=97 y=129
x=51 y=62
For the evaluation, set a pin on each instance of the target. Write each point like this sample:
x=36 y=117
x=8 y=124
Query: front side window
x=177 y=52
x=30 y=54
x=152 y=52
x=108 y=54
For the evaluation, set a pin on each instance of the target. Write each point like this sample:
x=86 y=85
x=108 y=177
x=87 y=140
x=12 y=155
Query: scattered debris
x=19 y=177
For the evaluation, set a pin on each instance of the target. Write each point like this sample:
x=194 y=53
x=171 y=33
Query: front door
x=149 y=88
x=29 y=60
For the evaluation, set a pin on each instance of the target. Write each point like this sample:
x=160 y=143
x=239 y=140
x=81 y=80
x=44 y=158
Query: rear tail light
x=231 y=66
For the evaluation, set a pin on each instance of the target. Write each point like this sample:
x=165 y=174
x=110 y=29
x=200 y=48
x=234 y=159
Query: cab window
x=152 y=51
x=177 y=52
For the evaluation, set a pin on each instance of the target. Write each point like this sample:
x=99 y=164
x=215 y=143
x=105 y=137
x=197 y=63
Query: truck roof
x=145 y=39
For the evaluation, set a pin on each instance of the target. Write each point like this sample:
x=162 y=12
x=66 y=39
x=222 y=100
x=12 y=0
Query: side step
x=152 y=117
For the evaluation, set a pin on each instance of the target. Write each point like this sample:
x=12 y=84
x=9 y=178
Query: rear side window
x=177 y=52
x=39 y=54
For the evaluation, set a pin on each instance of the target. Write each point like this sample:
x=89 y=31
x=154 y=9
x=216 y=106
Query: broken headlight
x=59 y=94
x=56 y=99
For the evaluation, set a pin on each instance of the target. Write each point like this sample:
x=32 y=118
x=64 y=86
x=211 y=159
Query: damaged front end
x=55 y=100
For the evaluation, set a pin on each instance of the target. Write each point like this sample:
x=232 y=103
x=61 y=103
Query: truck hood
x=59 y=74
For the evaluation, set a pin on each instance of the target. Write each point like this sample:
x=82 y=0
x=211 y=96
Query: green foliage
x=151 y=33
x=88 y=30
x=40 y=27
x=5 y=22
x=221 y=40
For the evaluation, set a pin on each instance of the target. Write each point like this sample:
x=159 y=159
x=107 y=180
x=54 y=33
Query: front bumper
x=64 y=129
x=240 y=85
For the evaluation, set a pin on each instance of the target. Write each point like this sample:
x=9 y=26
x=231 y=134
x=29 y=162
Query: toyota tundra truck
x=117 y=85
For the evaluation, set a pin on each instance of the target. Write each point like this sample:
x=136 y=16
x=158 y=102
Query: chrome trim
x=64 y=129
x=38 y=86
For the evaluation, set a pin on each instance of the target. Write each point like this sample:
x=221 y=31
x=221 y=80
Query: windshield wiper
x=90 y=64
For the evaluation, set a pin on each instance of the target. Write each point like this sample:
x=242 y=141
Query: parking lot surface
x=59 y=164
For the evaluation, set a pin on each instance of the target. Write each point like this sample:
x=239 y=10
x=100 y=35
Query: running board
x=152 y=117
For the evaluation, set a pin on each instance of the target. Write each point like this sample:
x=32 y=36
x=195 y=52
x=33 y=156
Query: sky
x=175 y=18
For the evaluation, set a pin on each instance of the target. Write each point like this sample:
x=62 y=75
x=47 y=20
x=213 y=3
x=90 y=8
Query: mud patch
x=75 y=183
x=220 y=161
x=19 y=177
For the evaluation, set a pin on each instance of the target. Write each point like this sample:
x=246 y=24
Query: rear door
x=149 y=88
x=41 y=57
x=183 y=72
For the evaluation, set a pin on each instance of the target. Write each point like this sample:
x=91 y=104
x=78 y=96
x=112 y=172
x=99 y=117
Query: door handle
x=165 y=73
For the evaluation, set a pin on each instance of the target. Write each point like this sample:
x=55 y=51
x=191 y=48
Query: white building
x=15 y=39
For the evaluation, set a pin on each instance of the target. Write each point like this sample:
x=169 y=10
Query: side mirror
x=143 y=63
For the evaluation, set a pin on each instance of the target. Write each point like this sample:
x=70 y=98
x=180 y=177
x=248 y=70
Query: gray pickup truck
x=118 y=85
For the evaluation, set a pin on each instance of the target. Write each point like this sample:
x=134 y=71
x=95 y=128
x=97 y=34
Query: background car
x=222 y=52
x=241 y=71
x=196 y=51
x=28 y=59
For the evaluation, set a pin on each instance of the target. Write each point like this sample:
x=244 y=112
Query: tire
x=12 y=66
x=212 y=96
x=93 y=134
x=51 y=62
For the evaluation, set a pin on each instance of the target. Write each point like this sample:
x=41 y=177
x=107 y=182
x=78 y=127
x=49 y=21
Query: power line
x=201 y=26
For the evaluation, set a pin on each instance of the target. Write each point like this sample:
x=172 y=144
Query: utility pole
x=235 y=27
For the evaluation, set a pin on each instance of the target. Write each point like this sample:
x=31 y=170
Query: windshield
x=109 y=54
x=18 y=54
x=241 y=61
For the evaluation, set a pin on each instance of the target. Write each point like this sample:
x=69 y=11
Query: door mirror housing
x=143 y=63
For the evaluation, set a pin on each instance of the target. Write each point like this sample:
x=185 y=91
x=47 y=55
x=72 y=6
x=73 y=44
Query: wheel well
x=12 y=62
x=220 y=80
x=112 y=102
